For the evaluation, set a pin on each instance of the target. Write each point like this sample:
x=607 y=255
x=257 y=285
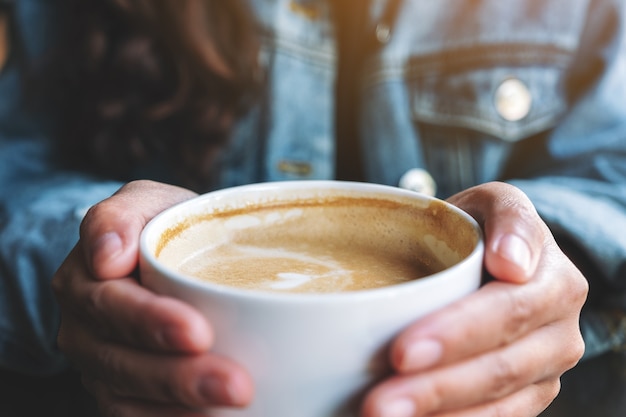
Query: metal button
x=383 y=33
x=307 y=9
x=513 y=100
x=418 y=180
x=299 y=168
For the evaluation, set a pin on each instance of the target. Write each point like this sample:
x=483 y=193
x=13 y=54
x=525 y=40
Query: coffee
x=313 y=245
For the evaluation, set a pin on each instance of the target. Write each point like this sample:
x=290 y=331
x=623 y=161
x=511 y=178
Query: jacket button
x=306 y=9
x=383 y=33
x=513 y=100
x=297 y=168
x=418 y=180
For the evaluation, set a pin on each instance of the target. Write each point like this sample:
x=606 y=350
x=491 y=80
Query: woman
x=208 y=94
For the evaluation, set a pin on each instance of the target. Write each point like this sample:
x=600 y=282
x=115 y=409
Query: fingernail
x=106 y=246
x=515 y=249
x=221 y=391
x=398 y=407
x=421 y=354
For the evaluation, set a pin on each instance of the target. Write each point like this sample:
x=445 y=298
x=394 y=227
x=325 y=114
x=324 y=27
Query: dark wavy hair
x=138 y=81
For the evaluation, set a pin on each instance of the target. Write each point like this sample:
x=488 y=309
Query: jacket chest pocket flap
x=508 y=93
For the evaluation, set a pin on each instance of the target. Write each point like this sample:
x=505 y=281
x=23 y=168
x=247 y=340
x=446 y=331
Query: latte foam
x=310 y=246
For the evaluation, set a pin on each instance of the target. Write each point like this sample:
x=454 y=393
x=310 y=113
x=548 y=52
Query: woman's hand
x=140 y=354
x=502 y=350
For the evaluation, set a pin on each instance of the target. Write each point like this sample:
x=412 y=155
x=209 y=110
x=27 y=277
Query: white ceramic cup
x=311 y=355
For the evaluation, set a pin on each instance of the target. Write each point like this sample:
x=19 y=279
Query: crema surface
x=316 y=246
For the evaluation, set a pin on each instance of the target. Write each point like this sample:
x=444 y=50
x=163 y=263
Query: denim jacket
x=453 y=92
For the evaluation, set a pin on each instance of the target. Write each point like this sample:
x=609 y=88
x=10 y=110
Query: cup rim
x=437 y=278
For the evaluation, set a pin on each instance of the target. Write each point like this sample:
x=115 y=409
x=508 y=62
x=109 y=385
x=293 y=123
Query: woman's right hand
x=139 y=353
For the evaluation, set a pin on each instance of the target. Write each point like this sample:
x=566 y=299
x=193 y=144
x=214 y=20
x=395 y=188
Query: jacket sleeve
x=40 y=213
x=581 y=189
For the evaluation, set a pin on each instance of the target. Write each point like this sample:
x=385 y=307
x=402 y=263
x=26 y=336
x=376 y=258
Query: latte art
x=273 y=268
x=308 y=246
x=298 y=269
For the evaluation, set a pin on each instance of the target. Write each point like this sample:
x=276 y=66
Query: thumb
x=110 y=230
x=514 y=233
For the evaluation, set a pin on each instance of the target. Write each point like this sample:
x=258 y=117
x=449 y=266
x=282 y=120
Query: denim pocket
x=464 y=89
x=470 y=107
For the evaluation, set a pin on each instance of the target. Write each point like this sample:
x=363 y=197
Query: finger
x=128 y=313
x=123 y=311
x=515 y=235
x=191 y=380
x=529 y=402
x=470 y=326
x=194 y=381
x=111 y=229
x=483 y=379
x=111 y=405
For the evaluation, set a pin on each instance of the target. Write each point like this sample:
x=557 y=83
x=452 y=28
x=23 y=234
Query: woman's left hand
x=502 y=350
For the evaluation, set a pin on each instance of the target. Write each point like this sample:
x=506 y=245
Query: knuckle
x=99 y=296
x=547 y=392
x=140 y=184
x=580 y=290
x=574 y=287
x=521 y=311
x=110 y=409
x=515 y=199
x=68 y=342
x=111 y=365
x=500 y=409
x=429 y=394
x=552 y=390
x=133 y=189
x=109 y=405
x=94 y=212
x=574 y=352
x=529 y=402
x=106 y=407
x=182 y=388
x=105 y=209
x=504 y=374
x=95 y=298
